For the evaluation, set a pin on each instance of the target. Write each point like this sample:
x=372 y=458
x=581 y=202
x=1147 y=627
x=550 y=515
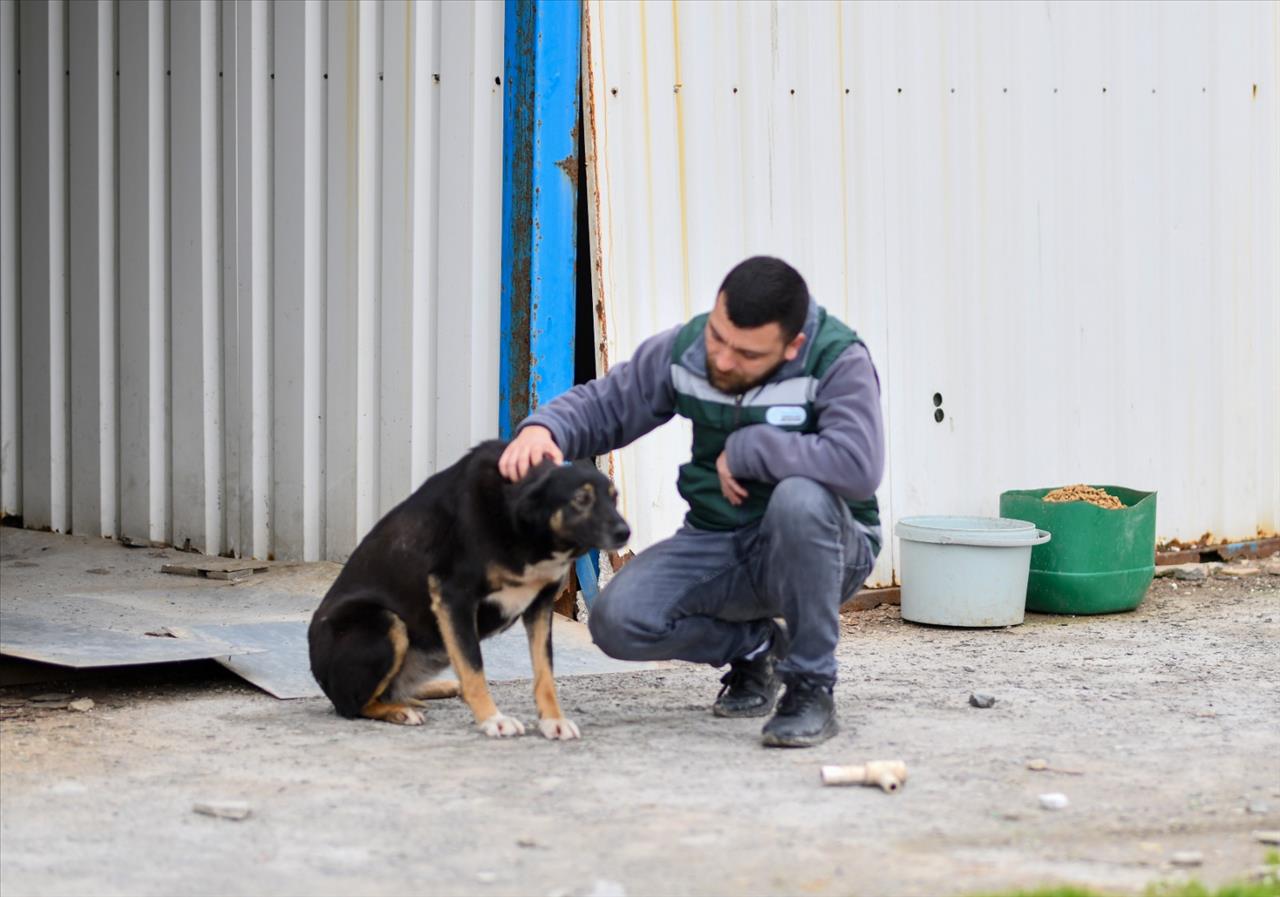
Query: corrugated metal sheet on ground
x=1063 y=219
x=259 y=241
x=82 y=644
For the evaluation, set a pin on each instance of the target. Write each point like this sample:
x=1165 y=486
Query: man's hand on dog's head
x=531 y=445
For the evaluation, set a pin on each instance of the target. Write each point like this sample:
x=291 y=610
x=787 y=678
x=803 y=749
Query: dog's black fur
x=457 y=561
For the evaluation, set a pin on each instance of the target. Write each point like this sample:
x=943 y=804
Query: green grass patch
x=1064 y=891
x=1268 y=887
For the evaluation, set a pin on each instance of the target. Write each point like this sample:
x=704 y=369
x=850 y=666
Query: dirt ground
x=1160 y=726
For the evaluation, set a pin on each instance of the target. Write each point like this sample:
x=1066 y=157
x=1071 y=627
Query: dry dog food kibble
x=1081 y=492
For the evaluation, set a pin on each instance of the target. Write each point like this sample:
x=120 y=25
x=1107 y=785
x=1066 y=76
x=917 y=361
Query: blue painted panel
x=588 y=570
x=555 y=199
x=539 y=203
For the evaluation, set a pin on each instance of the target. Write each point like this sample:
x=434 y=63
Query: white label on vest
x=786 y=415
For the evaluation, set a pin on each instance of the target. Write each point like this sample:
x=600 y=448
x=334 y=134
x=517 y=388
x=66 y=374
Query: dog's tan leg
x=458 y=631
x=436 y=689
x=537 y=626
x=393 y=712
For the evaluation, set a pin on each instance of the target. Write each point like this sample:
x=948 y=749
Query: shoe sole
x=829 y=731
x=754 y=712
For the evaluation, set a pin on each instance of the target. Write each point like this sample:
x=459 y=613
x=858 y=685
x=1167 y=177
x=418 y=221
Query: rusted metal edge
x=1225 y=551
x=596 y=221
x=594 y=217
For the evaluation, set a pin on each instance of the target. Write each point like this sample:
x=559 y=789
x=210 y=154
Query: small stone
x=603 y=887
x=99 y=571
x=67 y=787
x=1267 y=837
x=1240 y=571
x=25 y=564
x=81 y=705
x=1261 y=873
x=978 y=699
x=1187 y=858
x=223 y=809
x=527 y=842
x=1172 y=571
x=1054 y=801
x=969 y=669
x=486 y=878
x=1190 y=572
x=1037 y=765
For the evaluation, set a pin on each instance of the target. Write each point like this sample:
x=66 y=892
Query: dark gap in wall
x=584 y=338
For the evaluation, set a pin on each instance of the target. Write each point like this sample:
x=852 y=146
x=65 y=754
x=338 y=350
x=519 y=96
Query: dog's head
x=575 y=504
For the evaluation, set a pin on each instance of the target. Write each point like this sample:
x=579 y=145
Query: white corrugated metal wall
x=251 y=255
x=1063 y=218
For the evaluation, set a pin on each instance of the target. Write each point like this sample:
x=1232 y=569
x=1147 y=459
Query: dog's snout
x=621 y=533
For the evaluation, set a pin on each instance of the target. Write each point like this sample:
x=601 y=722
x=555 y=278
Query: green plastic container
x=1099 y=561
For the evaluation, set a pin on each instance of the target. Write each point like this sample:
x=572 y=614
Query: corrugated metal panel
x=252 y=297
x=1063 y=218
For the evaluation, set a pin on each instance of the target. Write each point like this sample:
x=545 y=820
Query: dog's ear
x=529 y=499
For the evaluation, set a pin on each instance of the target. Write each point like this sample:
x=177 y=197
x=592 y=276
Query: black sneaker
x=806 y=715
x=751 y=686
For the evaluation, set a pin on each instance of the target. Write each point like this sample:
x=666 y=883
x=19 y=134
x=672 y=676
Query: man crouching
x=787 y=454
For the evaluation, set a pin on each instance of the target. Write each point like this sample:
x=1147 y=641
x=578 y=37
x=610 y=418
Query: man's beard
x=736 y=384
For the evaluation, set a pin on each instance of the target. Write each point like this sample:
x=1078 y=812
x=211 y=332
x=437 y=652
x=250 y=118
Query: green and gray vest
x=787 y=404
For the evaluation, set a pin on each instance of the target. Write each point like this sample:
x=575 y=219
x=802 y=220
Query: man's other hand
x=530 y=446
x=729 y=487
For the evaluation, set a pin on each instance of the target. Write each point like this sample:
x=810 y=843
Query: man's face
x=739 y=358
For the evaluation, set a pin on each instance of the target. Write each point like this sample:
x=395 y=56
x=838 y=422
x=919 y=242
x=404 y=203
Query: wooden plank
x=866 y=599
x=215 y=568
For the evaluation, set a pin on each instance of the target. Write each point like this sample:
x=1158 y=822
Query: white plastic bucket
x=966 y=571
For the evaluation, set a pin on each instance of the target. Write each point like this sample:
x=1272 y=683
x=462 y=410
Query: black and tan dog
x=459 y=560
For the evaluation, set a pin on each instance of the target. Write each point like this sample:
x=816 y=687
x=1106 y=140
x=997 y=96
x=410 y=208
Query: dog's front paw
x=559 y=728
x=501 y=726
x=406 y=716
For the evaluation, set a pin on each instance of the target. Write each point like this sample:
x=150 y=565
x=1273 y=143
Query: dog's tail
x=356 y=650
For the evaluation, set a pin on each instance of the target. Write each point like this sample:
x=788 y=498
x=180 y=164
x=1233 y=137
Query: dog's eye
x=582 y=500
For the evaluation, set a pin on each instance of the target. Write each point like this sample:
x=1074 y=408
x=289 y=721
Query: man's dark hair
x=763 y=290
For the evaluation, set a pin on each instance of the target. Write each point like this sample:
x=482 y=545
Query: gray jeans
x=707 y=596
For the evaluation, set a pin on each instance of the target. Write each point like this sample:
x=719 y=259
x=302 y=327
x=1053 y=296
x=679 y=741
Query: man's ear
x=793 y=347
